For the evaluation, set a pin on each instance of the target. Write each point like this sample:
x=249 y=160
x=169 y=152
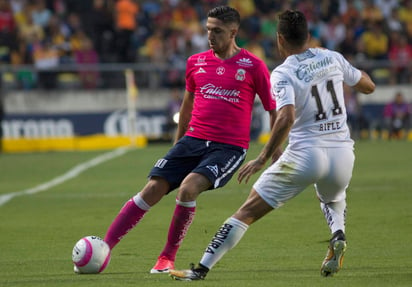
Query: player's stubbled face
x=218 y=34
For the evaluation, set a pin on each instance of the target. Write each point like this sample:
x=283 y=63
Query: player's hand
x=249 y=169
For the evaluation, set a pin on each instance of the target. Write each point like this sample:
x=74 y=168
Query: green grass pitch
x=286 y=248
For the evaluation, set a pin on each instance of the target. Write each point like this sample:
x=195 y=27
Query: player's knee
x=187 y=193
x=154 y=190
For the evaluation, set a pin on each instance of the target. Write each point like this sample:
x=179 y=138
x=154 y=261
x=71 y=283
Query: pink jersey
x=225 y=91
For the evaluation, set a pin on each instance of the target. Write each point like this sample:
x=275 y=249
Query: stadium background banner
x=80 y=120
x=42 y=132
x=89 y=120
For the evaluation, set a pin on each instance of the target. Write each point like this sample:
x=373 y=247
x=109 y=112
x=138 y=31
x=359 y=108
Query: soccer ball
x=90 y=255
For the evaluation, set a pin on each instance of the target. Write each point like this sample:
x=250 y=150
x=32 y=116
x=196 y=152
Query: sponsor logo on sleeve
x=201 y=61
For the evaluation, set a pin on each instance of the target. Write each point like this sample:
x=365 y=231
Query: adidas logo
x=213 y=169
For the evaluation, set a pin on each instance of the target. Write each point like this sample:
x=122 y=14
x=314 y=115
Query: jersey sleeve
x=263 y=89
x=282 y=89
x=351 y=75
x=190 y=84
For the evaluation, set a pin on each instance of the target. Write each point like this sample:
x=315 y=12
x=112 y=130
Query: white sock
x=335 y=213
x=225 y=239
x=138 y=200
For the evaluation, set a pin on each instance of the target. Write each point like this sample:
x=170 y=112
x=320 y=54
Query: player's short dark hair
x=293 y=27
x=225 y=14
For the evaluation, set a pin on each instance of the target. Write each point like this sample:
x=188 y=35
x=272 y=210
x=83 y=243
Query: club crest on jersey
x=240 y=75
x=220 y=70
x=279 y=92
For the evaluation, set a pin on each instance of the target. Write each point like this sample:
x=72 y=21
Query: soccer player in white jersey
x=212 y=136
x=308 y=87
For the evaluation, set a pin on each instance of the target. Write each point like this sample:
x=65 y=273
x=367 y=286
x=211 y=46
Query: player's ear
x=280 y=39
x=233 y=33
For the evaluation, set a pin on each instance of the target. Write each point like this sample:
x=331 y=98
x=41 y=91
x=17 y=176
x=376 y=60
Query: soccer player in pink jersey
x=212 y=135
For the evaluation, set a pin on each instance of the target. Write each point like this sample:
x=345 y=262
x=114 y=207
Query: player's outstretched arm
x=280 y=131
x=365 y=84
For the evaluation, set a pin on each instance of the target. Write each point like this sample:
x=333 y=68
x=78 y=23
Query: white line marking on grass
x=74 y=172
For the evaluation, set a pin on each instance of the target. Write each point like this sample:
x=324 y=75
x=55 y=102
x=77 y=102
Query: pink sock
x=128 y=217
x=182 y=219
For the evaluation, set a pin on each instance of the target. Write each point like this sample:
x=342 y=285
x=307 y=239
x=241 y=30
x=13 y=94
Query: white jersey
x=313 y=83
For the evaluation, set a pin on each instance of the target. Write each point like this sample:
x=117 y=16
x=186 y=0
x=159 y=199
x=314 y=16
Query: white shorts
x=329 y=169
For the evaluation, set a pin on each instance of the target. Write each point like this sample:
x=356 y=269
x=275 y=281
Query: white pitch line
x=75 y=171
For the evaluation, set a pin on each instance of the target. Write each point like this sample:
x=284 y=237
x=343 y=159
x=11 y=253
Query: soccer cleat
x=334 y=257
x=163 y=265
x=191 y=274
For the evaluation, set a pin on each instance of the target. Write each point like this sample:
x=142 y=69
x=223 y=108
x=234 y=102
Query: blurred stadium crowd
x=44 y=44
x=49 y=33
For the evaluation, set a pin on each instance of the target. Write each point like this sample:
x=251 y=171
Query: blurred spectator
x=86 y=55
x=400 y=54
x=393 y=23
x=242 y=38
x=405 y=15
x=374 y=42
x=165 y=32
x=348 y=47
x=25 y=76
x=177 y=50
x=28 y=30
x=386 y=6
x=154 y=48
x=358 y=27
x=18 y=7
x=246 y=8
x=199 y=40
x=315 y=27
x=163 y=18
x=397 y=117
x=371 y=13
x=125 y=24
x=308 y=8
x=333 y=33
x=350 y=14
x=76 y=40
x=40 y=14
x=59 y=7
x=184 y=17
x=54 y=31
x=46 y=58
x=254 y=47
x=328 y=9
x=7 y=32
x=251 y=25
x=7 y=23
x=102 y=30
x=268 y=29
x=72 y=24
x=313 y=40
